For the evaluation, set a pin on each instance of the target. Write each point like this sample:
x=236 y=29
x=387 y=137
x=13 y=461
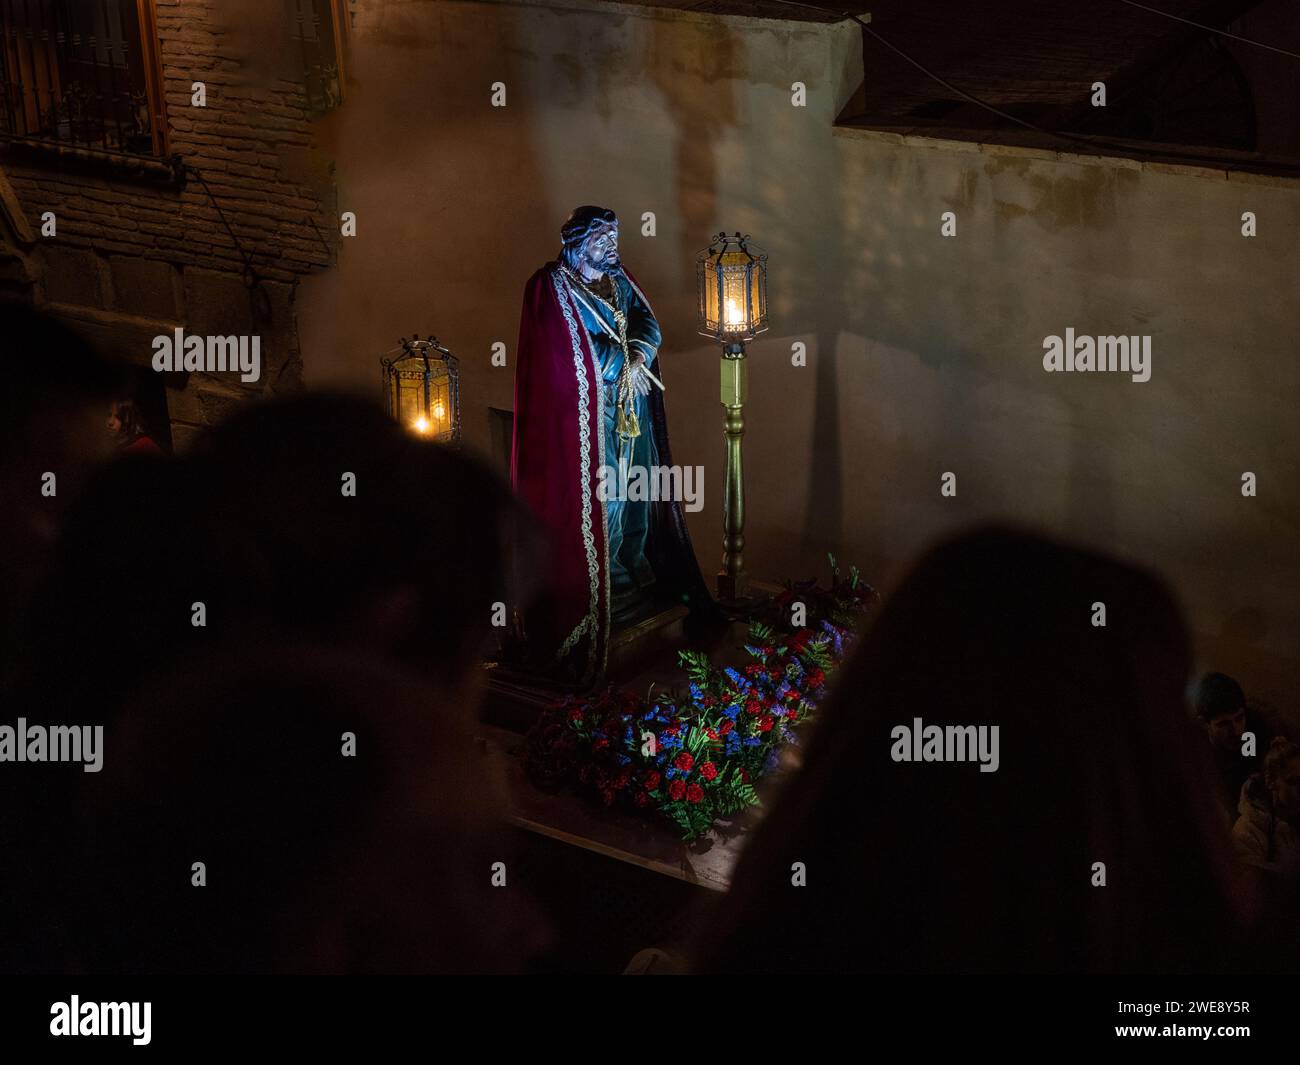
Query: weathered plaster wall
x=924 y=352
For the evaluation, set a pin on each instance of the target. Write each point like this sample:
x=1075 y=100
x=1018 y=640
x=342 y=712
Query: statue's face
x=601 y=249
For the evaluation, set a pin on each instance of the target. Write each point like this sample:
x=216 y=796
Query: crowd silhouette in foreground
x=294 y=785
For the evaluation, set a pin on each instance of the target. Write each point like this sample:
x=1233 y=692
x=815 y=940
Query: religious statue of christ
x=589 y=409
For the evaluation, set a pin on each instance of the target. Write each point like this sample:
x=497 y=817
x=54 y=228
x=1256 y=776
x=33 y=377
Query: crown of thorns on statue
x=583 y=222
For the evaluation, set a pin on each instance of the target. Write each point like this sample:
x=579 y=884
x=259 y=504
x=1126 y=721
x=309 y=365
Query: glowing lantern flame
x=421 y=425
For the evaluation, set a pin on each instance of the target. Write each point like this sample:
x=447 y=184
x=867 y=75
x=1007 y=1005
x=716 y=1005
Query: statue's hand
x=639 y=380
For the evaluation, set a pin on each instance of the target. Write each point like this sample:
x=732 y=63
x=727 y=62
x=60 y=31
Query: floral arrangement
x=695 y=757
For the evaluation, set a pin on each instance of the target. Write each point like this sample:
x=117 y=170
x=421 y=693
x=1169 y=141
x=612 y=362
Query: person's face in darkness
x=1226 y=730
x=114 y=422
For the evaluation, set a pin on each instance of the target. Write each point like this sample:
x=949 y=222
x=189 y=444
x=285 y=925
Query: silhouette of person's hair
x=938 y=867
x=418 y=552
x=255 y=525
x=1218 y=694
x=298 y=574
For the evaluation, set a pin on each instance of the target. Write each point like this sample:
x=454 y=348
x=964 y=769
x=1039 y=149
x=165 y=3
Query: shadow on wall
x=451 y=209
x=716 y=146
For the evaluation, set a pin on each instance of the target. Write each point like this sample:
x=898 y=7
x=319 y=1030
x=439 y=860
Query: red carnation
x=684 y=761
x=726 y=726
x=753 y=669
x=765 y=723
x=694 y=793
x=744 y=774
x=753 y=705
x=708 y=770
x=671 y=730
x=640 y=799
x=816 y=678
x=712 y=733
x=575 y=714
x=708 y=700
x=651 y=780
x=676 y=788
x=600 y=744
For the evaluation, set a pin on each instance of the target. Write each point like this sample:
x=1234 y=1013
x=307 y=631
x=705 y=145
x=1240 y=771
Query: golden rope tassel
x=626 y=423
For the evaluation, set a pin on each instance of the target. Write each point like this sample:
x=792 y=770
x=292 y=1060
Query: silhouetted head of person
x=358 y=531
x=51 y=437
x=315 y=515
x=1093 y=844
x=1221 y=706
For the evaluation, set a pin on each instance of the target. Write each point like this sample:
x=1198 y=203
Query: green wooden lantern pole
x=732 y=277
x=731 y=578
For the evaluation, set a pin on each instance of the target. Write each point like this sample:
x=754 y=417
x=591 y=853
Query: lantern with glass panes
x=422 y=388
x=732 y=278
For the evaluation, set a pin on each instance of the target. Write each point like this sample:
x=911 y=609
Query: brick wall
x=138 y=253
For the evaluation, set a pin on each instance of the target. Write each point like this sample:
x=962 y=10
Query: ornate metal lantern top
x=422 y=388
x=732 y=279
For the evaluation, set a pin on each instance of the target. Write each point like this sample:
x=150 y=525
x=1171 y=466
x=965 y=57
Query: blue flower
x=737 y=679
x=836 y=635
x=752 y=741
